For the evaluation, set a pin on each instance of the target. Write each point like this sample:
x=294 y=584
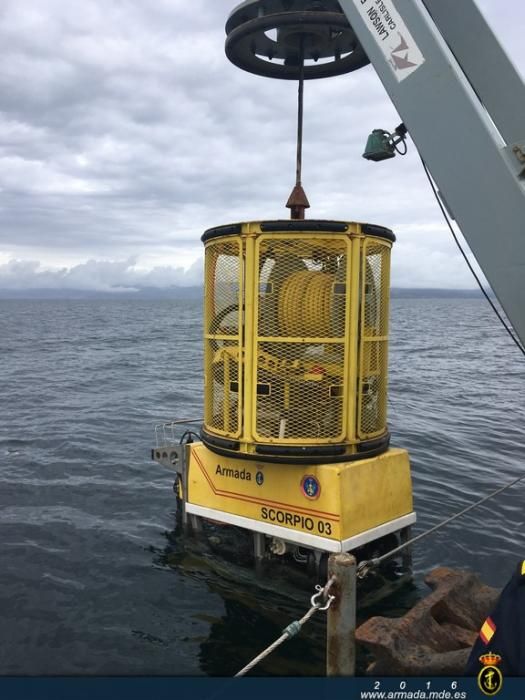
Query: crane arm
x=463 y=103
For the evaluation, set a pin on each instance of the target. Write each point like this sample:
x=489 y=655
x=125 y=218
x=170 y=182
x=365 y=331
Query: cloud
x=125 y=132
x=97 y=275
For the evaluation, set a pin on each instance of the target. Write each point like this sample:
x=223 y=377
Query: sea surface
x=93 y=577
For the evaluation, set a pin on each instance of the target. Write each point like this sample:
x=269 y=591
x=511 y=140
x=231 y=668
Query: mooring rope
x=181 y=421
x=364 y=567
x=295 y=627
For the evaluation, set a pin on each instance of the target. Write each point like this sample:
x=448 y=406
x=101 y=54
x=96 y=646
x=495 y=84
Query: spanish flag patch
x=487 y=631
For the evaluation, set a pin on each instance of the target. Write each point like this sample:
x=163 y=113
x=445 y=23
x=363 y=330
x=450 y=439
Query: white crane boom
x=463 y=103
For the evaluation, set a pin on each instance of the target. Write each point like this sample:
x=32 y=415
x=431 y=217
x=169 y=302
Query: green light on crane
x=382 y=145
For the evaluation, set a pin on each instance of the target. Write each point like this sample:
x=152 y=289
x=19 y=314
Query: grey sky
x=125 y=132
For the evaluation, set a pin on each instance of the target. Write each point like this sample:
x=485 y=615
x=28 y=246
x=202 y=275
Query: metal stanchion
x=340 y=636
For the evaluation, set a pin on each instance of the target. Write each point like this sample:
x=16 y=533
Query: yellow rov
x=295 y=445
x=294 y=448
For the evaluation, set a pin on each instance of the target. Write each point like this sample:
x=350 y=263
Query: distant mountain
x=143 y=293
x=401 y=293
x=196 y=293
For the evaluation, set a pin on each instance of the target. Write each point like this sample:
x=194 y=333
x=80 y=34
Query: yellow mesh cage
x=296 y=338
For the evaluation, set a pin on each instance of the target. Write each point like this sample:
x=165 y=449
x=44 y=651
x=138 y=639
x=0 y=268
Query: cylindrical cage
x=296 y=337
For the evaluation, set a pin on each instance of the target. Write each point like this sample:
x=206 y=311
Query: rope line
x=294 y=627
x=305 y=304
x=469 y=264
x=183 y=420
x=365 y=567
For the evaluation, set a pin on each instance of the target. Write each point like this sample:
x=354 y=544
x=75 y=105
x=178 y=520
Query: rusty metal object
x=341 y=620
x=435 y=637
x=297 y=202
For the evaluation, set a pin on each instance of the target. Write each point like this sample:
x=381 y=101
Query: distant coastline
x=182 y=293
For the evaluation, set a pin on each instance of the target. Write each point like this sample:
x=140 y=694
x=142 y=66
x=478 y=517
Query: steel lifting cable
x=469 y=264
x=182 y=421
x=365 y=567
x=295 y=627
x=300 y=118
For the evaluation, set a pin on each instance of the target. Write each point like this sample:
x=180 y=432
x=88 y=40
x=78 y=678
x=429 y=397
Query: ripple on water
x=92 y=580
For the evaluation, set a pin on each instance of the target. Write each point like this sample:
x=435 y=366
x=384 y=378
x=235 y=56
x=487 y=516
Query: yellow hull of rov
x=330 y=507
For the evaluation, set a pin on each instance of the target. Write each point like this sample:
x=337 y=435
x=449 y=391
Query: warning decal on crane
x=392 y=36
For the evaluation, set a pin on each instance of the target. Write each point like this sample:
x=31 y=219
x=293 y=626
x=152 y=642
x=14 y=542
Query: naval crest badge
x=490 y=678
x=310 y=487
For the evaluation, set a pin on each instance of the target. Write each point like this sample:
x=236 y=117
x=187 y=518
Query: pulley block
x=270 y=37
